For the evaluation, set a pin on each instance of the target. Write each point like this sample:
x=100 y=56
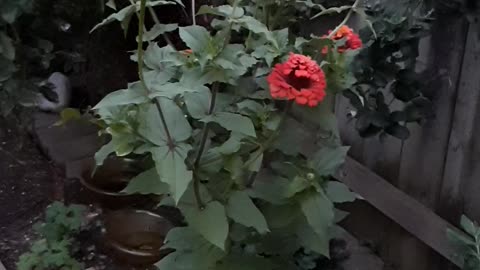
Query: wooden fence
x=415 y=189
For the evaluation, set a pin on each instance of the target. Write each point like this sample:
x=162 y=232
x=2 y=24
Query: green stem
x=141 y=23
x=206 y=129
x=264 y=146
x=349 y=14
x=194 y=19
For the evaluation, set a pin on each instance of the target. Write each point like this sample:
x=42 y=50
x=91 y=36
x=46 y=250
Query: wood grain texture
x=413 y=216
x=462 y=139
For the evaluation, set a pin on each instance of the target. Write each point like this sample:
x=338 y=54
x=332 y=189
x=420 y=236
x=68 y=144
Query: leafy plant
x=215 y=116
x=53 y=249
x=385 y=71
x=467 y=245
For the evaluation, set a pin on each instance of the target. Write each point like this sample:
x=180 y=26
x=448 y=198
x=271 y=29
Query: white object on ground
x=63 y=89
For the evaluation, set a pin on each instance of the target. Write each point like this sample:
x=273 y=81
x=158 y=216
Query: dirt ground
x=26 y=187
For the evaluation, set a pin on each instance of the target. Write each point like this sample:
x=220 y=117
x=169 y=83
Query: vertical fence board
x=461 y=136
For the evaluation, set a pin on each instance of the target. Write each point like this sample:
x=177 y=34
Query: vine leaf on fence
x=233 y=122
x=146 y=183
x=327 y=160
x=210 y=222
x=242 y=210
x=318 y=210
x=338 y=192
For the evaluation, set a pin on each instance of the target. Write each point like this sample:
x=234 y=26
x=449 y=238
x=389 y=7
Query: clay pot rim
x=98 y=190
x=119 y=247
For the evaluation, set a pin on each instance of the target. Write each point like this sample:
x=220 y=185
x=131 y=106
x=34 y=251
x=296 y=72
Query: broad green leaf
x=171 y=168
x=111 y=4
x=196 y=37
x=172 y=90
x=255 y=161
x=232 y=145
x=127 y=12
x=311 y=240
x=328 y=159
x=210 y=222
x=257 y=27
x=270 y=188
x=104 y=152
x=67 y=115
x=319 y=212
x=339 y=192
x=151 y=126
x=192 y=251
x=233 y=122
x=160 y=58
x=159 y=29
x=469 y=226
x=118 y=16
x=224 y=11
x=281 y=216
x=242 y=210
x=198 y=103
x=135 y=94
x=298 y=184
x=146 y=183
x=281 y=36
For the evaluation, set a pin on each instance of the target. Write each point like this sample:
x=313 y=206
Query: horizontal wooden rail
x=413 y=216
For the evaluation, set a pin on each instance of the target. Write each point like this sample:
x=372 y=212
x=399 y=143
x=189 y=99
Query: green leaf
x=135 y=94
x=104 y=152
x=198 y=103
x=171 y=168
x=118 y=16
x=255 y=161
x=242 y=210
x=224 y=11
x=233 y=122
x=196 y=37
x=111 y=4
x=210 y=222
x=327 y=160
x=67 y=115
x=151 y=126
x=469 y=226
x=232 y=145
x=331 y=10
x=172 y=90
x=270 y=188
x=159 y=29
x=339 y=192
x=319 y=211
x=192 y=251
x=257 y=27
x=311 y=240
x=146 y=183
x=298 y=184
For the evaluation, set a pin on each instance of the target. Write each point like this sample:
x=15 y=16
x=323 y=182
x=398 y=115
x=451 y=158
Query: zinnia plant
x=219 y=123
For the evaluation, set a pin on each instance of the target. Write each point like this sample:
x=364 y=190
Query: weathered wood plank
x=462 y=134
x=401 y=208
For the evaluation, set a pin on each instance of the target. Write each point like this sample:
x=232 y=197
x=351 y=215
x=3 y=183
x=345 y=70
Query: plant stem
x=157 y=21
x=141 y=23
x=349 y=14
x=205 y=129
x=194 y=19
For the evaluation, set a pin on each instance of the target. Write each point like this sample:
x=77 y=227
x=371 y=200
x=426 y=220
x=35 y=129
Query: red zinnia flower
x=352 y=41
x=299 y=79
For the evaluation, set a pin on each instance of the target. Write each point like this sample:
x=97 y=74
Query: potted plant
x=220 y=118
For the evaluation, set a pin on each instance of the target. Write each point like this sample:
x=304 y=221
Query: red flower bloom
x=352 y=41
x=299 y=79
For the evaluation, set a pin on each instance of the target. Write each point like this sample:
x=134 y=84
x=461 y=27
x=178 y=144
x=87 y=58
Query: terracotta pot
x=105 y=184
x=136 y=236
